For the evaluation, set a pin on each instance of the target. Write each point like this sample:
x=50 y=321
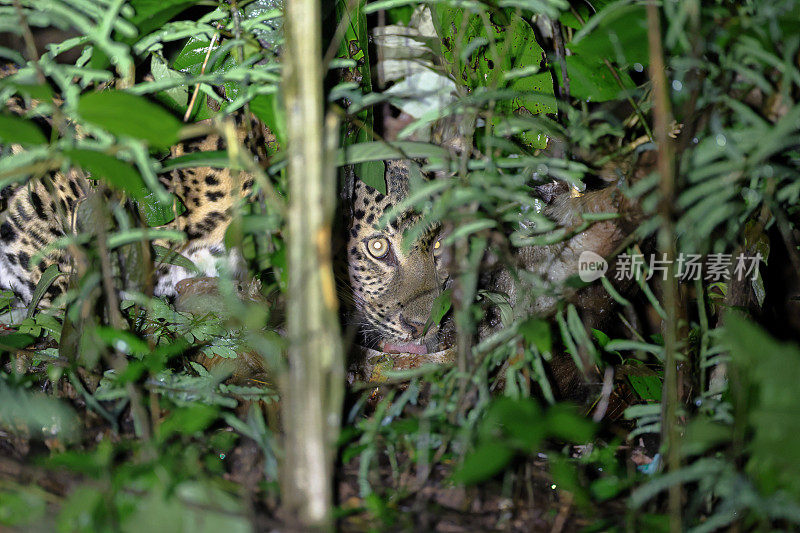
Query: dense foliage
x=109 y=421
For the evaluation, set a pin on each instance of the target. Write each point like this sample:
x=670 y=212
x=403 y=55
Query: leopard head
x=393 y=282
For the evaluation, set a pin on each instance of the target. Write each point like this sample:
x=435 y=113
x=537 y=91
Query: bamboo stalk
x=666 y=248
x=313 y=386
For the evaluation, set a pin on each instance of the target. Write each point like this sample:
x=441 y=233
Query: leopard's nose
x=415 y=328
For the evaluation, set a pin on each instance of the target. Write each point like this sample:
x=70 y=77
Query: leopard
x=393 y=283
x=39 y=212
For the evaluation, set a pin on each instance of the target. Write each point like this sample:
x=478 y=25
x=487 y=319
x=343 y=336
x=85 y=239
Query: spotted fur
x=393 y=294
x=209 y=196
x=35 y=214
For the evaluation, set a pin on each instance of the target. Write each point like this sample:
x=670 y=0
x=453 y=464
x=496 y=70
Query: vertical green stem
x=312 y=388
x=666 y=246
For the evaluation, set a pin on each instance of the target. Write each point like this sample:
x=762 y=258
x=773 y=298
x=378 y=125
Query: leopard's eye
x=438 y=247
x=378 y=247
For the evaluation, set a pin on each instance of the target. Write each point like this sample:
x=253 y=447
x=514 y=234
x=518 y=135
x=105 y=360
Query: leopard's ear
x=397 y=178
x=361 y=191
x=364 y=196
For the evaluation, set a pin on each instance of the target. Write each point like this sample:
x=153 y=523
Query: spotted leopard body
x=35 y=214
x=210 y=197
x=394 y=284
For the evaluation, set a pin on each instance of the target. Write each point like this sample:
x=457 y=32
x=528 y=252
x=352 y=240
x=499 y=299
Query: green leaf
x=32 y=90
x=22 y=506
x=373 y=173
x=47 y=279
x=152 y=14
x=483 y=51
x=565 y=476
x=123 y=341
x=500 y=301
x=400 y=14
x=377 y=151
x=116 y=173
x=19 y=130
x=536 y=331
x=584 y=11
x=602 y=338
x=176 y=98
x=519 y=421
x=130 y=115
x=767 y=373
x=50 y=324
x=191 y=58
x=591 y=80
x=185 y=508
x=647 y=386
x=210 y=158
x=267 y=107
x=35 y=414
x=441 y=305
x=81 y=504
x=372 y=170
x=354 y=46
x=165 y=255
x=188 y=420
x=130 y=235
x=625 y=344
x=702 y=435
x=618 y=33
x=484 y=462
x=156 y=213
x=14 y=341
x=563 y=422
x=607 y=487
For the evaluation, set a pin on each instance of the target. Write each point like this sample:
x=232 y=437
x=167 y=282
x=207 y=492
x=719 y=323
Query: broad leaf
x=152 y=14
x=591 y=80
x=116 y=173
x=157 y=214
x=441 y=305
x=129 y=115
x=536 y=331
x=618 y=33
x=19 y=130
x=47 y=279
x=484 y=462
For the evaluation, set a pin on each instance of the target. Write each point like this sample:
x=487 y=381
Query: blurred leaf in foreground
x=768 y=370
x=36 y=415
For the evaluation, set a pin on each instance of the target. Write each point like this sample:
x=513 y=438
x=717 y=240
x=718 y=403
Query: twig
x=33 y=57
x=666 y=245
x=202 y=71
x=615 y=74
x=119 y=362
x=563 y=512
x=30 y=43
x=561 y=56
x=605 y=394
x=633 y=104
